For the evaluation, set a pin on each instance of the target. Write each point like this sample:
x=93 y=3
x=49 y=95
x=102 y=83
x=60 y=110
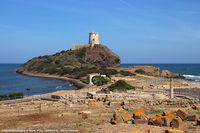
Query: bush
x=126 y=73
x=121 y=85
x=84 y=81
x=81 y=52
x=108 y=71
x=16 y=95
x=51 y=69
x=98 y=80
x=140 y=71
x=3 y=97
x=192 y=127
x=65 y=70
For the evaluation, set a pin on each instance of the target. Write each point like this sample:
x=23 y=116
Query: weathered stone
x=85 y=114
x=173 y=131
x=166 y=120
x=156 y=120
x=138 y=114
x=192 y=117
x=198 y=122
x=181 y=113
x=176 y=122
x=126 y=116
x=197 y=107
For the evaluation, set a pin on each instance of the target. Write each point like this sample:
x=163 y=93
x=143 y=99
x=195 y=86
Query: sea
x=11 y=82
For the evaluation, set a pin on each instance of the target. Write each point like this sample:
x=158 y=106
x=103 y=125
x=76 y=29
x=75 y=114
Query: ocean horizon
x=11 y=82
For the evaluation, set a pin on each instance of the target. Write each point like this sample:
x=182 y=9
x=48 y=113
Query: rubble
x=198 y=122
x=181 y=113
x=176 y=122
x=173 y=131
x=85 y=114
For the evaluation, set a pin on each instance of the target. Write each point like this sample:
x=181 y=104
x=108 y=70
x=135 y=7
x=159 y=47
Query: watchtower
x=93 y=38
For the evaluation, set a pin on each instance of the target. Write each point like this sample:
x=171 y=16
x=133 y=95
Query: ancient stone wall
x=75 y=47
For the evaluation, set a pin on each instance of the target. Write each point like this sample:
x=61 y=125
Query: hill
x=73 y=63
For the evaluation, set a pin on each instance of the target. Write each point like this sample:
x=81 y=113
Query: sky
x=139 y=31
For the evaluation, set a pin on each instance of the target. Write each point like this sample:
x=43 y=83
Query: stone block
x=138 y=114
x=126 y=116
x=182 y=114
x=166 y=113
x=198 y=122
x=192 y=117
x=85 y=114
x=155 y=122
x=166 y=120
x=133 y=132
x=197 y=107
x=176 y=122
x=173 y=131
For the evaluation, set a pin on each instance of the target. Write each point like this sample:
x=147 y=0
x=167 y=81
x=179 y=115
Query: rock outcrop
x=154 y=71
x=102 y=57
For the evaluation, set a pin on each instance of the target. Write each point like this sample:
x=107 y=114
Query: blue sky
x=139 y=31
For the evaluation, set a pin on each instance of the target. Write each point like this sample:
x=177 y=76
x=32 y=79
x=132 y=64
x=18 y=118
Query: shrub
x=192 y=127
x=108 y=71
x=81 y=52
x=140 y=71
x=16 y=95
x=126 y=73
x=51 y=69
x=121 y=85
x=98 y=80
x=57 y=62
x=3 y=97
x=84 y=81
x=65 y=70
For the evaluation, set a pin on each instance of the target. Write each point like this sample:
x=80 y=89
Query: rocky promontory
x=73 y=63
x=153 y=71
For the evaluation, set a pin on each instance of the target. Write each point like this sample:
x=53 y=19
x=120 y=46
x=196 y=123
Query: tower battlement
x=93 y=38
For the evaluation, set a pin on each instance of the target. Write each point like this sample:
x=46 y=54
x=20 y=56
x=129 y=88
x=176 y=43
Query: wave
x=192 y=76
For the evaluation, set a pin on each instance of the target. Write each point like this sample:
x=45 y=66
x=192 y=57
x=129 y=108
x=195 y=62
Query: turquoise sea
x=10 y=81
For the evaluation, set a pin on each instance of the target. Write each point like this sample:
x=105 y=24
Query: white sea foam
x=192 y=76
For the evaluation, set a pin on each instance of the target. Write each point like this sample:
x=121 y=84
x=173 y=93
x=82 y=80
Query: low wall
x=75 y=47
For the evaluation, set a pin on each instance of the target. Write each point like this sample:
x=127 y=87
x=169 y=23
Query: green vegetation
x=121 y=85
x=70 y=63
x=126 y=73
x=140 y=71
x=15 y=95
x=84 y=81
x=153 y=111
x=3 y=97
x=192 y=127
x=98 y=80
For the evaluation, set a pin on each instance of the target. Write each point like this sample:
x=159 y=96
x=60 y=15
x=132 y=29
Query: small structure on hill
x=93 y=40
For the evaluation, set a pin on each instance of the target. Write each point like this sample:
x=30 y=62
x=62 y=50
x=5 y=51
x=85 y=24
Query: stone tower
x=93 y=38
